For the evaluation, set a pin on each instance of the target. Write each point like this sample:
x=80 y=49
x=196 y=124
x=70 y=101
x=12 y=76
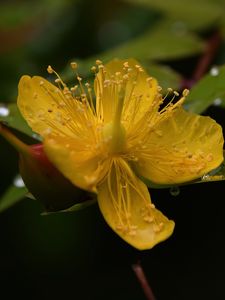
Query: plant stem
x=13 y=140
x=139 y=272
x=205 y=60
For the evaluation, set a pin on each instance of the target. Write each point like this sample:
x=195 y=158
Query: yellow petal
x=181 y=148
x=47 y=109
x=82 y=164
x=124 y=79
x=126 y=206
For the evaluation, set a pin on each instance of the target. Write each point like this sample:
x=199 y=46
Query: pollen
x=50 y=70
x=73 y=65
x=98 y=62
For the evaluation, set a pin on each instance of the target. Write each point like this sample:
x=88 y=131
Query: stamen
x=185 y=92
x=73 y=65
x=93 y=69
x=98 y=62
x=50 y=70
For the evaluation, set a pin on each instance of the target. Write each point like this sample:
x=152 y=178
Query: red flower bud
x=43 y=180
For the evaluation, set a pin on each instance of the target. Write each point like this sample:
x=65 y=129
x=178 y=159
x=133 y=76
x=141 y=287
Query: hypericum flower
x=107 y=144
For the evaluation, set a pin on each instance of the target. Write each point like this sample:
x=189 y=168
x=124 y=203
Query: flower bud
x=43 y=180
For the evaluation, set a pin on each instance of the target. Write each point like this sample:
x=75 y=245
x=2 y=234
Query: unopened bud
x=43 y=180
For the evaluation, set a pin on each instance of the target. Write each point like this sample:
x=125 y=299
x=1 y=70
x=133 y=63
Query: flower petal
x=82 y=164
x=126 y=206
x=181 y=148
x=124 y=79
x=48 y=109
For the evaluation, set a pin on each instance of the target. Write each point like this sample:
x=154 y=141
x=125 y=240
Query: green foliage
x=158 y=44
x=12 y=196
x=75 y=207
x=15 y=120
x=210 y=89
x=190 y=14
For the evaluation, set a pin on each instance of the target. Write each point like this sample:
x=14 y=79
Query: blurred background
x=76 y=255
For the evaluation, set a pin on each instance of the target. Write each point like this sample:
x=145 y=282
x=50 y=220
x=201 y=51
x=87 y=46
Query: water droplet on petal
x=214 y=71
x=36 y=136
x=18 y=181
x=174 y=190
x=217 y=102
x=4 y=111
x=205 y=177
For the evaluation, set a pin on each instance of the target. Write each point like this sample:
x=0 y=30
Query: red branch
x=137 y=268
x=205 y=60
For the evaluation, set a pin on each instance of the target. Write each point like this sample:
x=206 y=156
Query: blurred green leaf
x=12 y=196
x=73 y=208
x=15 y=120
x=13 y=14
x=209 y=90
x=189 y=14
x=165 y=75
x=153 y=45
x=157 y=45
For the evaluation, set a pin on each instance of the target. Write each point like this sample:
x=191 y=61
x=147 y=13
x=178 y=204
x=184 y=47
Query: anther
x=57 y=80
x=73 y=65
x=98 y=62
x=50 y=70
x=149 y=79
x=176 y=93
x=185 y=92
x=156 y=229
x=74 y=88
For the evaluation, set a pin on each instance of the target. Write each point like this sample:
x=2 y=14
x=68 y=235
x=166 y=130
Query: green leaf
x=165 y=75
x=12 y=196
x=158 y=44
x=15 y=120
x=73 y=208
x=189 y=14
x=210 y=89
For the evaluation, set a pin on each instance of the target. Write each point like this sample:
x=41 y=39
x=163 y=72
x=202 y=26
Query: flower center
x=115 y=135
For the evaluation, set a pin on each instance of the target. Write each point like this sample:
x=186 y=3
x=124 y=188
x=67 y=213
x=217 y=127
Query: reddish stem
x=205 y=60
x=139 y=272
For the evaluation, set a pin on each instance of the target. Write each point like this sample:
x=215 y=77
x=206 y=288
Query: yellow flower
x=127 y=135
